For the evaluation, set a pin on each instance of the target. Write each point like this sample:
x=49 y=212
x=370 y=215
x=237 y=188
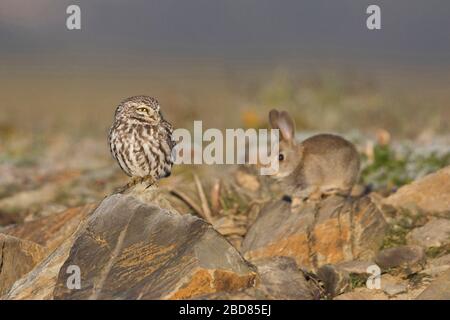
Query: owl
x=141 y=140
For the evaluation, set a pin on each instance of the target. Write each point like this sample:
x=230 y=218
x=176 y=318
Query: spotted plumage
x=141 y=140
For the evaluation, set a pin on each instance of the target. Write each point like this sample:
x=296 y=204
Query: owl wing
x=169 y=130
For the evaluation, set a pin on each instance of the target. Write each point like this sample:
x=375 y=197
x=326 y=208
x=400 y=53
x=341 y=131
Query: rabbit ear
x=287 y=126
x=273 y=118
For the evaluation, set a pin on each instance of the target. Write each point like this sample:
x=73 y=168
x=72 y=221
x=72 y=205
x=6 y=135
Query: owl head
x=139 y=108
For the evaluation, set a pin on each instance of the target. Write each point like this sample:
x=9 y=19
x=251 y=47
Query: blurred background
x=226 y=63
x=219 y=60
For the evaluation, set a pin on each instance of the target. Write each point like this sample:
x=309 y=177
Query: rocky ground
x=228 y=234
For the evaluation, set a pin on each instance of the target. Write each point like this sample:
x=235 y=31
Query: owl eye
x=143 y=110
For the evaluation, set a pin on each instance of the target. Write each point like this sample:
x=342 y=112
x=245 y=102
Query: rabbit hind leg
x=334 y=190
x=308 y=193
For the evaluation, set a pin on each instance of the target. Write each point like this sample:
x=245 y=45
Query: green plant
x=392 y=168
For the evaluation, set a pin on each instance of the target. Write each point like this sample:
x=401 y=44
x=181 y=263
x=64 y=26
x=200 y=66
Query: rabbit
x=323 y=164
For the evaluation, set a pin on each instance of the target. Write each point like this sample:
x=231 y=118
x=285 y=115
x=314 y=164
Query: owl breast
x=142 y=150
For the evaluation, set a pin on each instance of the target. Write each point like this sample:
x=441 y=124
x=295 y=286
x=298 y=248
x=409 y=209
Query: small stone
x=6 y=218
x=392 y=286
x=435 y=271
x=410 y=257
x=247 y=181
x=228 y=225
x=358 y=190
x=336 y=281
x=411 y=294
x=363 y=294
x=19 y=202
x=355 y=266
x=281 y=279
x=247 y=294
x=441 y=261
x=433 y=234
x=439 y=289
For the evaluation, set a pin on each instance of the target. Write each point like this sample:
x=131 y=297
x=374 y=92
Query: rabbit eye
x=280 y=157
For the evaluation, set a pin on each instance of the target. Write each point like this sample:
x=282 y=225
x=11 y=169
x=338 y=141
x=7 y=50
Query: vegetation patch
x=436 y=252
x=391 y=168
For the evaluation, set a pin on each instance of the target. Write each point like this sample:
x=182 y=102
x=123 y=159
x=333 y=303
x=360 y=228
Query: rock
x=50 y=232
x=358 y=271
x=441 y=261
x=409 y=257
x=39 y=284
x=152 y=195
x=356 y=267
x=411 y=294
x=232 y=228
x=281 y=279
x=358 y=190
x=333 y=230
x=392 y=286
x=434 y=271
x=433 y=234
x=247 y=181
x=46 y=210
x=430 y=194
x=439 y=289
x=12 y=206
x=145 y=261
x=247 y=294
x=336 y=281
x=17 y=257
x=6 y=218
x=363 y=294
x=131 y=250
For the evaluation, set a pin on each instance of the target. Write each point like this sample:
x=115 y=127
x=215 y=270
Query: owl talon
x=121 y=189
x=150 y=182
x=150 y=185
x=134 y=181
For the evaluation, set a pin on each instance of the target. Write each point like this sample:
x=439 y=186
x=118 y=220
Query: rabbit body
x=326 y=164
x=321 y=164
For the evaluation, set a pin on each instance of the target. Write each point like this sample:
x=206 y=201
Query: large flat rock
x=280 y=279
x=434 y=233
x=429 y=195
x=333 y=230
x=50 y=232
x=131 y=250
x=439 y=289
x=39 y=283
x=17 y=258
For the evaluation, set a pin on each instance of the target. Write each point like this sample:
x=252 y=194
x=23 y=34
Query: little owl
x=141 y=140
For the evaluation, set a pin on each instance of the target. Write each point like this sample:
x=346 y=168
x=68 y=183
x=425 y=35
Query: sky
x=414 y=32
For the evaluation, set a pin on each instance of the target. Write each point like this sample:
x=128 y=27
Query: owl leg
x=134 y=181
x=150 y=181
